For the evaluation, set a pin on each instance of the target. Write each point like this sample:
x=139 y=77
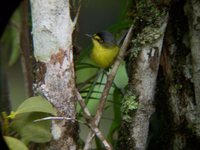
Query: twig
x=25 y=44
x=108 y=85
x=91 y=122
x=53 y=118
x=59 y=118
x=77 y=13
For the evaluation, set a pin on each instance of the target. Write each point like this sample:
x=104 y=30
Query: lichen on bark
x=150 y=23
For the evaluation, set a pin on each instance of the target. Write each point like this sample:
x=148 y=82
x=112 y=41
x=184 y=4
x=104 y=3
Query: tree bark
x=144 y=82
x=143 y=72
x=194 y=32
x=175 y=124
x=52 y=38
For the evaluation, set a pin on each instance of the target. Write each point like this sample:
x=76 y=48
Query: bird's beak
x=88 y=35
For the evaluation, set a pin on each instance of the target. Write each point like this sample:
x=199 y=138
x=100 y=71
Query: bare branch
x=77 y=13
x=25 y=47
x=91 y=124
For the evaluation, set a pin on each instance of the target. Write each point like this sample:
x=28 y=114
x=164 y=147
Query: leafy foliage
x=21 y=122
x=11 y=40
x=38 y=132
x=36 y=104
x=117 y=115
x=15 y=144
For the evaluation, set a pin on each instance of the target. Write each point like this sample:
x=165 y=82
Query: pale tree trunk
x=142 y=72
x=144 y=82
x=52 y=28
x=143 y=85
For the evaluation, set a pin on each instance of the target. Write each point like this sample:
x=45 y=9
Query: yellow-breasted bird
x=104 y=49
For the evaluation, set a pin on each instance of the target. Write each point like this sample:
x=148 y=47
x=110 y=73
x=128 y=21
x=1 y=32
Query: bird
x=104 y=49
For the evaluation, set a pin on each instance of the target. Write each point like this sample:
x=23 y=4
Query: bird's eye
x=100 y=40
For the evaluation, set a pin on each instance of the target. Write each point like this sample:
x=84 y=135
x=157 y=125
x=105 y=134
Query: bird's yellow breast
x=103 y=56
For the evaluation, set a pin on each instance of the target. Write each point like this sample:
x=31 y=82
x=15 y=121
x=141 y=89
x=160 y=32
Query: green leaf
x=36 y=104
x=121 y=78
x=11 y=39
x=92 y=87
x=29 y=130
x=117 y=114
x=35 y=133
x=15 y=144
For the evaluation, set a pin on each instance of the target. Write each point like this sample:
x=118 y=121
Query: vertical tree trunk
x=194 y=32
x=143 y=72
x=52 y=38
x=143 y=81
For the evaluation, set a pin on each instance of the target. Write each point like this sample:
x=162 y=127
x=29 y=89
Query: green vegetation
x=129 y=104
x=19 y=128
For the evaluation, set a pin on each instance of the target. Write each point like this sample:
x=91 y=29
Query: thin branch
x=77 y=13
x=112 y=74
x=25 y=43
x=91 y=123
x=53 y=118
x=108 y=85
x=59 y=118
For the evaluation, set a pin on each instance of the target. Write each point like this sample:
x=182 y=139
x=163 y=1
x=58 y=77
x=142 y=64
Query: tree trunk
x=142 y=72
x=55 y=80
x=194 y=33
x=175 y=124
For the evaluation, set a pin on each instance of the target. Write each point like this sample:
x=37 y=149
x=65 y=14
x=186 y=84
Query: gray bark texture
x=175 y=124
x=172 y=91
x=144 y=82
x=194 y=34
x=52 y=40
x=194 y=27
x=143 y=72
